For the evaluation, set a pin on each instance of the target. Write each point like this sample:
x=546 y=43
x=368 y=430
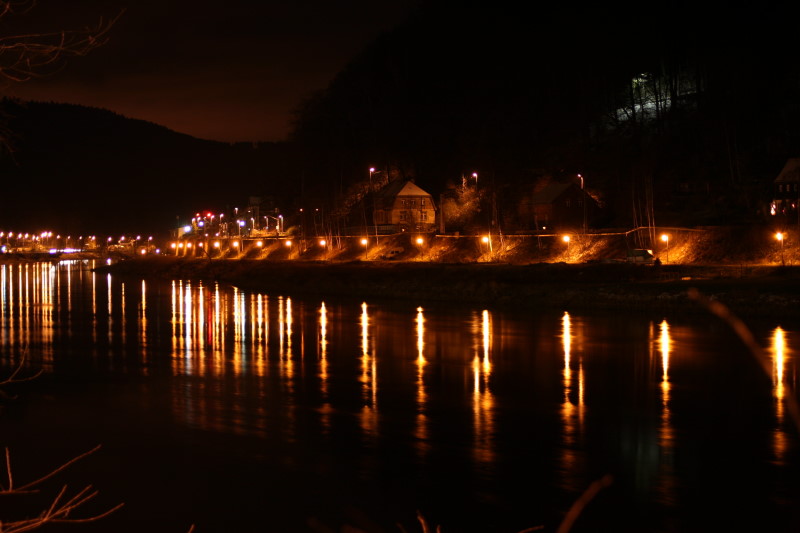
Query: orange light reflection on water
x=482 y=397
x=421 y=429
x=369 y=380
x=572 y=411
x=779 y=349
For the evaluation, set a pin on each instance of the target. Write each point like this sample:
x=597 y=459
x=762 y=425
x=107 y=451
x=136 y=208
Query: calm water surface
x=239 y=411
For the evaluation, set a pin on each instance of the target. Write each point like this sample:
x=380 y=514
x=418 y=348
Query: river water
x=240 y=411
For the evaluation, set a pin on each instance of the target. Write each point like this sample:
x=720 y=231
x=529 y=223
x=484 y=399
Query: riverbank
x=747 y=291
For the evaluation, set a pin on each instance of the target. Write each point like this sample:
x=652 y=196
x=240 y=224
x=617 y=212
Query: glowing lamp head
x=216 y=244
x=665 y=237
x=566 y=238
x=235 y=244
x=364 y=242
x=259 y=243
x=779 y=236
x=485 y=239
x=420 y=240
x=288 y=243
x=323 y=242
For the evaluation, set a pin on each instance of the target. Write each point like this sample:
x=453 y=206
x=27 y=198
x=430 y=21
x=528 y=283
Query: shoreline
x=748 y=291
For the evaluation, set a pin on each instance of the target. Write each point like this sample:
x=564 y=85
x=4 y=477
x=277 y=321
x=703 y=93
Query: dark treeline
x=688 y=108
x=682 y=111
x=88 y=171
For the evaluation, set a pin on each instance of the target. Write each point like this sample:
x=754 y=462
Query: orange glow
x=259 y=243
x=485 y=239
x=364 y=242
x=420 y=337
x=566 y=238
x=779 y=236
x=420 y=240
x=172 y=245
x=288 y=243
x=665 y=345
x=323 y=242
x=566 y=325
x=779 y=349
x=216 y=244
x=235 y=244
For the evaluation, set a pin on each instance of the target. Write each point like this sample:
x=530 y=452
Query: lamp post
x=583 y=201
x=487 y=239
x=665 y=238
x=566 y=239
x=781 y=237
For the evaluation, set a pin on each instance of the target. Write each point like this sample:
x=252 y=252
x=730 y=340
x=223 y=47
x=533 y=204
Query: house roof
x=790 y=172
x=396 y=188
x=550 y=192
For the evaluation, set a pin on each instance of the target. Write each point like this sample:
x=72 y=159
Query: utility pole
x=583 y=201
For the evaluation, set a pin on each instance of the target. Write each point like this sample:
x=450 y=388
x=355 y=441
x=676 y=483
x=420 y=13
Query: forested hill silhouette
x=644 y=100
x=85 y=170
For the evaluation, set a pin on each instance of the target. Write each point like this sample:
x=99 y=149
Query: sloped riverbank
x=747 y=291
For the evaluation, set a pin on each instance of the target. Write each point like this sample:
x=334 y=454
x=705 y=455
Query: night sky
x=227 y=71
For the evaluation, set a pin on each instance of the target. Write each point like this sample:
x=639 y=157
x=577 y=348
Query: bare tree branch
x=60 y=506
x=12 y=378
x=29 y=55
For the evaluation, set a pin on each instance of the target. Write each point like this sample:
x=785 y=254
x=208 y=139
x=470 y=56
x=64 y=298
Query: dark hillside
x=104 y=173
x=689 y=109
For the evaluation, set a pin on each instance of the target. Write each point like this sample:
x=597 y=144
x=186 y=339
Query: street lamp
x=583 y=201
x=487 y=240
x=781 y=237
x=566 y=239
x=665 y=239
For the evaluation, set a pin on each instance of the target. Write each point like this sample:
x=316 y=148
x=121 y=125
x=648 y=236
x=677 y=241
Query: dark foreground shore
x=767 y=291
